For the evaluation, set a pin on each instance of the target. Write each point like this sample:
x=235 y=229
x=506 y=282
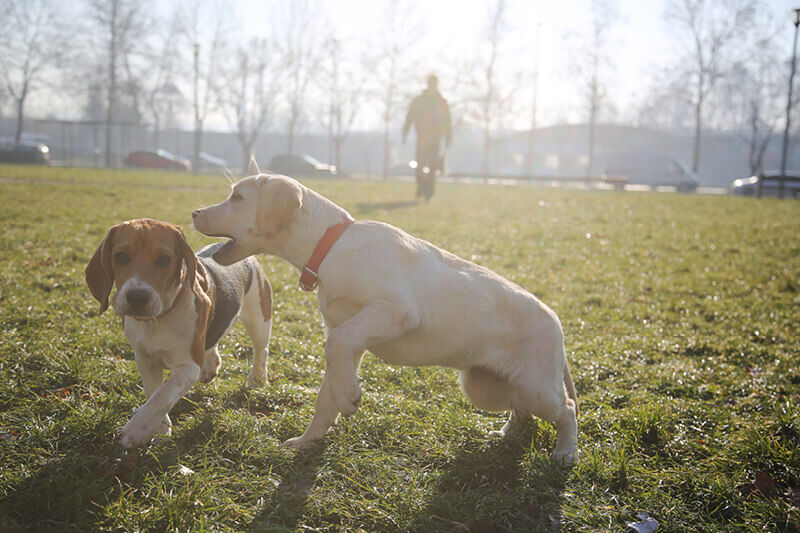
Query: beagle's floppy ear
x=198 y=284
x=278 y=200
x=252 y=168
x=187 y=255
x=99 y=275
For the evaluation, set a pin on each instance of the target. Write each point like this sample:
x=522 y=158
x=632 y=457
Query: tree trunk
x=290 y=133
x=592 y=120
x=337 y=144
x=198 y=145
x=156 y=132
x=20 y=110
x=487 y=143
x=112 y=81
x=386 y=150
x=698 y=128
x=247 y=151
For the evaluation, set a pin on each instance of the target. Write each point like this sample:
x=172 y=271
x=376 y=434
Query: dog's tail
x=570 y=386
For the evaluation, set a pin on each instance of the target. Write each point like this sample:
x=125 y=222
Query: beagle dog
x=405 y=300
x=175 y=307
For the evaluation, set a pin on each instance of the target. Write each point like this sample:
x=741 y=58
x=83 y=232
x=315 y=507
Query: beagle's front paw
x=211 y=365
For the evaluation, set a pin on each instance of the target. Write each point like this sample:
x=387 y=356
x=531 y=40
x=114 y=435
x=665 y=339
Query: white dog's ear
x=253 y=166
x=278 y=201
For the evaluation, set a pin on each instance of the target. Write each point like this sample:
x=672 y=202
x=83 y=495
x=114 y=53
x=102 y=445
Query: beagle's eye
x=235 y=196
x=122 y=258
x=163 y=261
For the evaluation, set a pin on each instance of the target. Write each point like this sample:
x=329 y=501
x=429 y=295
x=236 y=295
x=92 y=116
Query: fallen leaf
x=766 y=484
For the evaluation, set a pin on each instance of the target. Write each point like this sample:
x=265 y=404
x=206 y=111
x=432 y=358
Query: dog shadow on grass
x=498 y=485
x=284 y=508
x=58 y=495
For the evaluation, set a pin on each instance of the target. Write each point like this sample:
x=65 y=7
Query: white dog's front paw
x=566 y=458
x=300 y=443
x=136 y=433
x=347 y=398
x=164 y=428
x=255 y=380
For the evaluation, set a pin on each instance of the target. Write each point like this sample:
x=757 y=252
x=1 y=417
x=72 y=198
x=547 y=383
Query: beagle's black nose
x=137 y=297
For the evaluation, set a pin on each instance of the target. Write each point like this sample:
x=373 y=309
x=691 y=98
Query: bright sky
x=452 y=29
x=640 y=44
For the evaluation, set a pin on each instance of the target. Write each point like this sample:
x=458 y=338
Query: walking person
x=430 y=115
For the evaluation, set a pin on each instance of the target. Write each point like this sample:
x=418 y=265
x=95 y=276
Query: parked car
x=209 y=162
x=31 y=153
x=770 y=185
x=300 y=165
x=157 y=159
x=651 y=168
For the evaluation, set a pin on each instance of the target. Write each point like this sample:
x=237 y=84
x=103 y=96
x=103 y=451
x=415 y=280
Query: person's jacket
x=430 y=115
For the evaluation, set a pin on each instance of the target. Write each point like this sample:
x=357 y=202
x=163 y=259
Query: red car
x=157 y=159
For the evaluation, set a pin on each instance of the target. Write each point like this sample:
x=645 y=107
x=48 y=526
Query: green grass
x=681 y=315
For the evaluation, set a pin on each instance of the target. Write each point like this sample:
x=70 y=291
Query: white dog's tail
x=570 y=387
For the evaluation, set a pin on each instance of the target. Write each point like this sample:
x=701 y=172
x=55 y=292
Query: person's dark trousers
x=428 y=158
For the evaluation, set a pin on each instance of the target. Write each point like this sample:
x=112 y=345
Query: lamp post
x=796 y=21
x=196 y=153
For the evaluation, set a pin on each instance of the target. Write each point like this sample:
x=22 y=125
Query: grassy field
x=682 y=320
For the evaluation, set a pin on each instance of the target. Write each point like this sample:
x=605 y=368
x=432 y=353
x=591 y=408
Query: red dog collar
x=308 y=276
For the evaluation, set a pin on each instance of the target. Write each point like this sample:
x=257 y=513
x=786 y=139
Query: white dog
x=405 y=300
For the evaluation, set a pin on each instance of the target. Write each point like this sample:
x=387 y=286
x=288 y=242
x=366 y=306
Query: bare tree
x=712 y=29
x=345 y=92
x=529 y=156
x=203 y=28
x=488 y=92
x=753 y=99
x=299 y=40
x=589 y=66
x=162 y=91
x=32 y=42
x=122 y=26
x=247 y=98
x=392 y=63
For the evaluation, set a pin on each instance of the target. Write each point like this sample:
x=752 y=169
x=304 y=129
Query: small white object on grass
x=647 y=524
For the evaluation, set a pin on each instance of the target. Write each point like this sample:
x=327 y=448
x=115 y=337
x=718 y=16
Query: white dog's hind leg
x=550 y=402
x=259 y=330
x=339 y=393
x=513 y=422
x=566 y=450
